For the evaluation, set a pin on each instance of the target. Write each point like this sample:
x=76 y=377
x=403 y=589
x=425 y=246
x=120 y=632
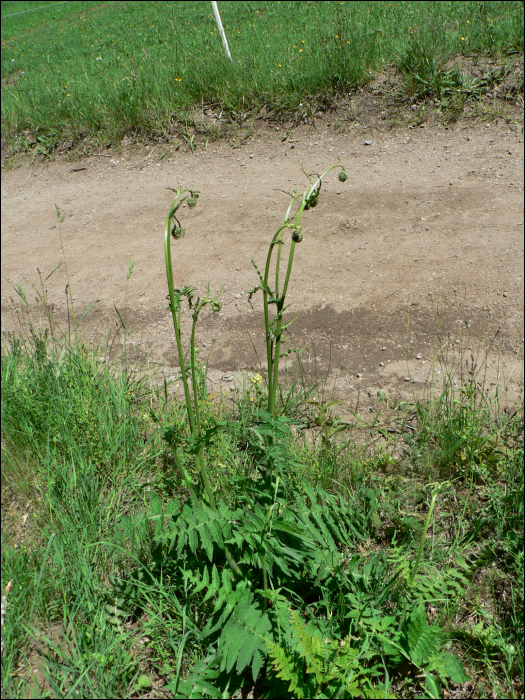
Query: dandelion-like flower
x=256 y=379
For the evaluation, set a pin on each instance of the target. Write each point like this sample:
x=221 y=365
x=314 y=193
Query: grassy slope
x=89 y=69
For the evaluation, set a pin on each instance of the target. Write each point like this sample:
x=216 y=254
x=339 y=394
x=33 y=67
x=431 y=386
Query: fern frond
x=244 y=629
x=421 y=638
x=199 y=683
x=285 y=669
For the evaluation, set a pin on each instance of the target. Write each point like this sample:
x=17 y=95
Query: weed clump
x=250 y=544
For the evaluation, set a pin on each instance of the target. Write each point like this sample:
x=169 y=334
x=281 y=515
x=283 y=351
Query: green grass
x=257 y=542
x=99 y=71
x=87 y=453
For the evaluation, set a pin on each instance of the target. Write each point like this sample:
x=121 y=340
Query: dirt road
x=430 y=221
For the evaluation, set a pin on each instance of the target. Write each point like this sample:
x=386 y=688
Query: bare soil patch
x=423 y=244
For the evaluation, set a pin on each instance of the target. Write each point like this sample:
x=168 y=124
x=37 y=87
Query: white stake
x=221 y=30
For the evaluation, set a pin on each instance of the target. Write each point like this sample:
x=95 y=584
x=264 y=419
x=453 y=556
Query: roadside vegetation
x=162 y=541
x=94 y=73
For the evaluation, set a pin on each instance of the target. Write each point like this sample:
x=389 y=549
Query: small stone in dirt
x=368 y=143
x=415 y=380
x=381 y=364
x=358 y=375
x=406 y=379
x=505 y=294
x=383 y=348
x=419 y=356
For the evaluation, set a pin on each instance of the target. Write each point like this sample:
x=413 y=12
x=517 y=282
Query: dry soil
x=422 y=246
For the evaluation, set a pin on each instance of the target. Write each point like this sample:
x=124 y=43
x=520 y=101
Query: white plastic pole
x=221 y=30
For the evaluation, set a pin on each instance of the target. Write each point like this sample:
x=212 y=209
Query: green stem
x=418 y=558
x=280 y=306
x=193 y=369
x=273 y=352
x=175 y=314
x=175 y=309
x=269 y=338
x=176 y=326
x=200 y=453
x=185 y=474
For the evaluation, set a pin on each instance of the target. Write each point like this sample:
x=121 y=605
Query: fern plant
x=250 y=570
x=314 y=667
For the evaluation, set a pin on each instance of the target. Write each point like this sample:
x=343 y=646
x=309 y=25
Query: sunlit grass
x=103 y=70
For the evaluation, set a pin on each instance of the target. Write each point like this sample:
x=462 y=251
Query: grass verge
x=96 y=72
x=115 y=594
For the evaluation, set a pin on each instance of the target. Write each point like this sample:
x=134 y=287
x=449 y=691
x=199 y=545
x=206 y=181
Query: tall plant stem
x=174 y=304
x=273 y=338
x=193 y=422
x=269 y=337
x=200 y=454
x=418 y=558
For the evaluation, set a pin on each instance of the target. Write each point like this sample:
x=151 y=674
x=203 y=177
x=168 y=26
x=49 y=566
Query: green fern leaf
x=257 y=663
x=455 y=669
x=193 y=540
x=199 y=682
x=421 y=637
x=324 y=537
x=285 y=669
x=252 y=644
x=215 y=584
x=244 y=629
x=233 y=638
x=310 y=492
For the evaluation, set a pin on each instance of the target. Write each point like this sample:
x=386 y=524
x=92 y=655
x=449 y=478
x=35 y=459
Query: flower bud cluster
x=312 y=201
x=297 y=233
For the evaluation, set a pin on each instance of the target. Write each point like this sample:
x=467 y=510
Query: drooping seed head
x=178 y=232
x=215 y=305
x=191 y=202
x=312 y=201
x=297 y=233
x=342 y=176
